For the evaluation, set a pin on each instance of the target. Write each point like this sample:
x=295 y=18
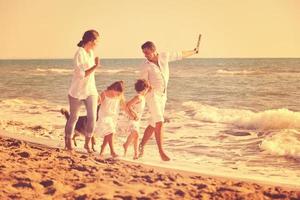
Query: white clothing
x=156 y=103
x=108 y=115
x=134 y=125
x=158 y=77
x=81 y=86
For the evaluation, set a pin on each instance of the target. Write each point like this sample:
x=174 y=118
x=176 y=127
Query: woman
x=83 y=88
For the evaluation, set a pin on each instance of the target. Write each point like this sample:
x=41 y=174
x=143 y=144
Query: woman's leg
x=91 y=108
x=71 y=122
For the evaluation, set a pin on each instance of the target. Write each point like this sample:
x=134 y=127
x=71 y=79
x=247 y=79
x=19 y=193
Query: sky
x=34 y=29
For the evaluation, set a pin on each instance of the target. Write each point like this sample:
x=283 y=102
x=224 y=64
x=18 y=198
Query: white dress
x=134 y=125
x=108 y=115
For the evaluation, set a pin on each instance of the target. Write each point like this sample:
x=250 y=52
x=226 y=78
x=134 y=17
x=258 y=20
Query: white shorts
x=134 y=125
x=105 y=126
x=156 y=104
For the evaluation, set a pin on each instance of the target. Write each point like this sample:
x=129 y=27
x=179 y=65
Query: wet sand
x=33 y=171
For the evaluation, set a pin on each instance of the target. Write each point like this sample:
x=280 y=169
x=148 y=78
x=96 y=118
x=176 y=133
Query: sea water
x=232 y=117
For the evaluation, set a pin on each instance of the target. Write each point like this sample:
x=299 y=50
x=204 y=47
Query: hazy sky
x=230 y=28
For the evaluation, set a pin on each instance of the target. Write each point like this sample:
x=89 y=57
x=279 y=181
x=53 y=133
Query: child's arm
x=101 y=98
x=125 y=108
x=131 y=103
x=129 y=111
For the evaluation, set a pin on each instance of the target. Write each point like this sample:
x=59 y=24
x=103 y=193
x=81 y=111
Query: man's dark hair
x=140 y=85
x=149 y=45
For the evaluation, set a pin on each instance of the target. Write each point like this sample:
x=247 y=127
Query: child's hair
x=140 y=85
x=116 y=86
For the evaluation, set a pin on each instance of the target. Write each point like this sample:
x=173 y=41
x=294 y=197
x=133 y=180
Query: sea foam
x=265 y=120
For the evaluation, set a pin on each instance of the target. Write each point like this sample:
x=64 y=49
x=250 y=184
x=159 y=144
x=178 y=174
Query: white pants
x=91 y=108
x=156 y=103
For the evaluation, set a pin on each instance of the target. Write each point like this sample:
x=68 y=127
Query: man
x=156 y=70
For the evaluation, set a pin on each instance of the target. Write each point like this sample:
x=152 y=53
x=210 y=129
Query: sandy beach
x=33 y=171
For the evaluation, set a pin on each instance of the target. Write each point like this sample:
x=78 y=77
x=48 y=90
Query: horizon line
x=144 y=58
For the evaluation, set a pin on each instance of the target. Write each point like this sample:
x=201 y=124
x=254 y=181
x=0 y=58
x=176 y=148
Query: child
x=111 y=99
x=136 y=105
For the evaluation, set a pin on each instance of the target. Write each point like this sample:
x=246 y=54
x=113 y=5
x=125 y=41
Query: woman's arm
x=89 y=71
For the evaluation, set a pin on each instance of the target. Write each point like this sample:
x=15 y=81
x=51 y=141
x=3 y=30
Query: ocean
x=228 y=117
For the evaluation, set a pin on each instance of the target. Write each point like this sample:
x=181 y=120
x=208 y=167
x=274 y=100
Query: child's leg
x=105 y=141
x=111 y=145
x=135 y=144
x=128 y=142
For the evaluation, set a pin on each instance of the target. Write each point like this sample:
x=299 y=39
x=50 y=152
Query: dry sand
x=32 y=171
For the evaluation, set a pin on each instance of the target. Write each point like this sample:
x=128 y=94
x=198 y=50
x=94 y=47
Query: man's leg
x=147 y=135
x=159 y=141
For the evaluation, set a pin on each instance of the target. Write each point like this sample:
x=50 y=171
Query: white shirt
x=158 y=76
x=81 y=86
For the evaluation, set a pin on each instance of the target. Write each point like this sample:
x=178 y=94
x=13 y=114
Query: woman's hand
x=89 y=71
x=97 y=61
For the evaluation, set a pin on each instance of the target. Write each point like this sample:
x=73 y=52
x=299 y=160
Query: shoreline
x=50 y=172
x=162 y=167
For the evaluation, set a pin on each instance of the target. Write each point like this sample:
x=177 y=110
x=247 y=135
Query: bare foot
x=70 y=150
x=135 y=157
x=114 y=155
x=88 y=149
x=125 y=149
x=93 y=147
x=68 y=144
x=164 y=157
x=141 y=151
x=101 y=157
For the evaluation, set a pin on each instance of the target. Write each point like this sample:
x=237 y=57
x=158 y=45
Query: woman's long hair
x=88 y=36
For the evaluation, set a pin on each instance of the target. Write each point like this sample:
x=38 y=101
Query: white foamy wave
x=35 y=117
x=265 y=120
x=55 y=70
x=112 y=71
x=283 y=143
x=239 y=72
